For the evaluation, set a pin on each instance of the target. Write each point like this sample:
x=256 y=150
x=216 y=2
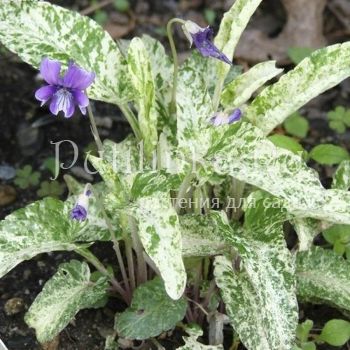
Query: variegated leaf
x=140 y=70
x=307 y=229
x=168 y=156
x=45 y=226
x=151 y=312
x=341 y=178
x=149 y=182
x=191 y=343
x=110 y=177
x=36 y=29
x=160 y=234
x=162 y=72
x=323 y=277
x=317 y=73
x=242 y=88
x=200 y=236
x=244 y=153
x=67 y=292
x=231 y=28
x=259 y=289
x=194 y=110
x=124 y=157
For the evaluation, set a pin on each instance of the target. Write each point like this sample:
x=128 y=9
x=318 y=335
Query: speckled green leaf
x=341 y=178
x=36 y=29
x=231 y=28
x=45 y=226
x=321 y=71
x=323 y=277
x=149 y=182
x=67 y=292
x=124 y=157
x=194 y=110
x=307 y=229
x=200 y=236
x=162 y=72
x=160 y=234
x=151 y=312
x=242 y=88
x=110 y=177
x=244 y=153
x=259 y=292
x=140 y=70
x=191 y=342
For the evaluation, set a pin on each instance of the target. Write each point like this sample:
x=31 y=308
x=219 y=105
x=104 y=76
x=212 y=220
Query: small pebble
x=14 y=306
x=7 y=195
x=29 y=139
x=7 y=172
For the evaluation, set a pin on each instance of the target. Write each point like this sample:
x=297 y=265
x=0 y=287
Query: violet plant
x=195 y=201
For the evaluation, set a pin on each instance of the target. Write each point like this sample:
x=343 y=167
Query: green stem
x=93 y=260
x=131 y=267
x=237 y=191
x=115 y=246
x=94 y=128
x=183 y=190
x=130 y=116
x=141 y=263
x=175 y=60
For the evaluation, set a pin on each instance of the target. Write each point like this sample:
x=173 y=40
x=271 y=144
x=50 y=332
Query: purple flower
x=64 y=92
x=221 y=118
x=80 y=210
x=202 y=39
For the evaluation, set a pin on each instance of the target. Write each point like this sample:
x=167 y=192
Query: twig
x=95 y=7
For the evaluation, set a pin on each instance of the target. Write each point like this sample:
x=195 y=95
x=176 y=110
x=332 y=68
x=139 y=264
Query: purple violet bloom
x=202 y=39
x=81 y=208
x=221 y=118
x=64 y=92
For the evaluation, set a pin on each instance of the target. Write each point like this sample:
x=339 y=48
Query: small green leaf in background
x=297 y=54
x=339 y=237
x=308 y=346
x=335 y=332
x=151 y=312
x=50 y=164
x=209 y=15
x=50 y=189
x=303 y=330
x=26 y=177
x=101 y=17
x=328 y=154
x=121 y=5
x=287 y=142
x=296 y=125
x=339 y=119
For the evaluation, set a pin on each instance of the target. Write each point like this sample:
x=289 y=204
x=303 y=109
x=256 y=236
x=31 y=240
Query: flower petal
x=79 y=213
x=80 y=98
x=204 y=44
x=235 y=116
x=50 y=71
x=219 y=118
x=62 y=101
x=45 y=93
x=77 y=78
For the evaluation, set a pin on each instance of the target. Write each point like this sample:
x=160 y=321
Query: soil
x=21 y=144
